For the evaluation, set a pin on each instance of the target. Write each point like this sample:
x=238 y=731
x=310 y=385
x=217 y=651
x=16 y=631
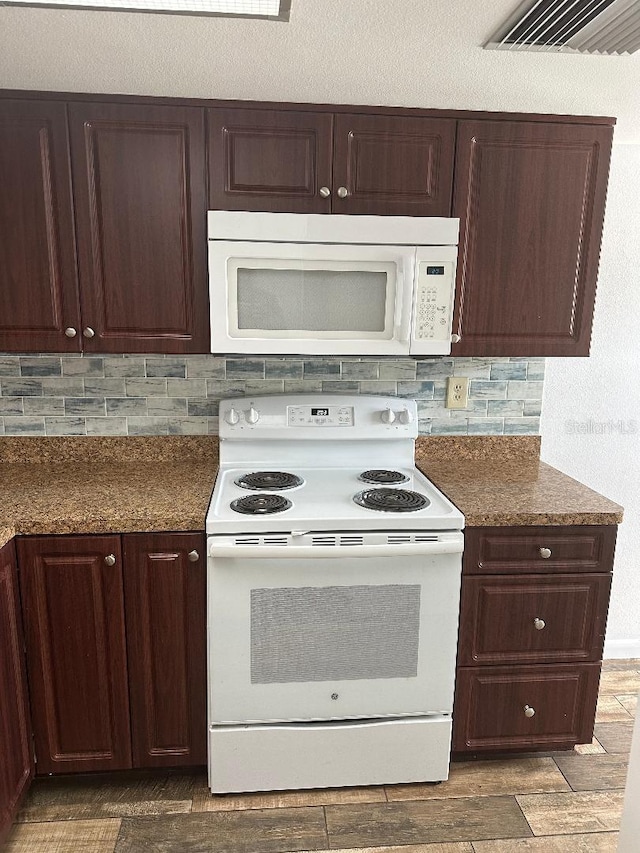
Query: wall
x=137 y=395
x=591 y=416
x=403 y=52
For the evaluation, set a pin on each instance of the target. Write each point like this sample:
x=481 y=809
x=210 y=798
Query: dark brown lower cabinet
x=533 y=613
x=551 y=707
x=74 y=625
x=116 y=650
x=16 y=750
x=165 y=592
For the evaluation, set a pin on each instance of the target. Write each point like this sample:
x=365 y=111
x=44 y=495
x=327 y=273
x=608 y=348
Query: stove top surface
x=320 y=462
x=329 y=498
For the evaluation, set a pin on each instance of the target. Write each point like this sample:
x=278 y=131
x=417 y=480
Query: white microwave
x=313 y=284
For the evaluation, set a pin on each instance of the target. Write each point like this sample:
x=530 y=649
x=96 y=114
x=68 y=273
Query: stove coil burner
x=391 y=500
x=269 y=480
x=379 y=475
x=260 y=504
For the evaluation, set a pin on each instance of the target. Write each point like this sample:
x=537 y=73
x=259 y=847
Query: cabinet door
x=273 y=160
x=16 y=751
x=535 y=619
x=139 y=185
x=165 y=593
x=74 y=625
x=393 y=165
x=38 y=284
x=529 y=707
x=530 y=198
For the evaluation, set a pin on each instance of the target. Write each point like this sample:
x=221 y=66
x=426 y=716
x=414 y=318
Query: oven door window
x=334 y=633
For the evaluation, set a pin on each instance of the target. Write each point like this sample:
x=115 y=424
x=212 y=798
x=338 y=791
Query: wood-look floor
x=568 y=802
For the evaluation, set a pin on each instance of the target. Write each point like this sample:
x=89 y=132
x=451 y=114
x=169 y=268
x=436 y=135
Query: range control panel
x=320 y=416
x=317 y=417
x=434 y=296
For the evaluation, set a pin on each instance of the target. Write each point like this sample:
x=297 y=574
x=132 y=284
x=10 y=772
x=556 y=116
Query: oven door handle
x=309 y=552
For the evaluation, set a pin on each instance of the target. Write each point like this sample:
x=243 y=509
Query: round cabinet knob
x=232 y=417
x=343 y=192
x=193 y=556
x=455 y=339
x=529 y=711
x=387 y=416
x=405 y=417
x=539 y=624
x=252 y=416
x=545 y=553
x=88 y=332
x=70 y=332
x=110 y=560
x=325 y=192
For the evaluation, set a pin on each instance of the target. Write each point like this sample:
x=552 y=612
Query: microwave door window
x=303 y=302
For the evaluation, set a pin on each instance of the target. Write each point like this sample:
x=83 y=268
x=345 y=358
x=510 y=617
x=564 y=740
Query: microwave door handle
x=404 y=297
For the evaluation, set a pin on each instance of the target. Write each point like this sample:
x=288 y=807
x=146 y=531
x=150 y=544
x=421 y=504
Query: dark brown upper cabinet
x=316 y=162
x=74 y=625
x=16 y=750
x=140 y=198
x=393 y=165
x=270 y=160
x=165 y=596
x=530 y=197
x=38 y=282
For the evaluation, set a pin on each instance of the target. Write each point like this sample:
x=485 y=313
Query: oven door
x=344 y=632
x=310 y=298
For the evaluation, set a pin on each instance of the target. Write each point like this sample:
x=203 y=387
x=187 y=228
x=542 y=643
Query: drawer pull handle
x=545 y=553
x=539 y=624
x=529 y=711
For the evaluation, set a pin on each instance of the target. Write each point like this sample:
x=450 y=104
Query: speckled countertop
x=105 y=486
x=502 y=482
x=121 y=485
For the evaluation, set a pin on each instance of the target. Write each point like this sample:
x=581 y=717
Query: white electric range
x=333 y=591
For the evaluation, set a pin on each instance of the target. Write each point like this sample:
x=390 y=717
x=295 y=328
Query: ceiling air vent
x=572 y=26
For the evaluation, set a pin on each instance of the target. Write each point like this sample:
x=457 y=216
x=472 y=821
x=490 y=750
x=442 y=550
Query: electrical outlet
x=457 y=392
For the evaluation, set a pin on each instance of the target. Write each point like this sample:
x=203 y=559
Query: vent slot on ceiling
x=572 y=26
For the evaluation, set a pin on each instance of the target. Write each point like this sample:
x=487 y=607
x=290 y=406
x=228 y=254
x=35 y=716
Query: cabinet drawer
x=535 y=619
x=492 y=707
x=510 y=550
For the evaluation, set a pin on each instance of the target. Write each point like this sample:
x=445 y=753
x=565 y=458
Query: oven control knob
x=232 y=417
x=405 y=417
x=252 y=416
x=387 y=416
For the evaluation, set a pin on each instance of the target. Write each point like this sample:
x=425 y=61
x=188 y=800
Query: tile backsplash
x=178 y=395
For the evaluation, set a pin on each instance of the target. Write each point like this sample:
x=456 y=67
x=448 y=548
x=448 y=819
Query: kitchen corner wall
x=160 y=395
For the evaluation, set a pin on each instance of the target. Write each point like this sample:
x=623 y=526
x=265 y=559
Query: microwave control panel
x=434 y=297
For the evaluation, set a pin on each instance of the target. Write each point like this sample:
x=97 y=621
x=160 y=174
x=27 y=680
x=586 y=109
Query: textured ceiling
x=404 y=52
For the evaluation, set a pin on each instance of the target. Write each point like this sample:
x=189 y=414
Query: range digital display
x=435 y=270
x=320 y=413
